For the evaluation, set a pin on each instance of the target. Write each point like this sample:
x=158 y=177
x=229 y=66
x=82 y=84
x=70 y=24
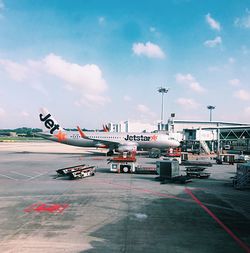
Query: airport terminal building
x=207 y=135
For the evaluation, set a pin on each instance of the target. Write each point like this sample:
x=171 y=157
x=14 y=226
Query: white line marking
x=37 y=172
x=20 y=174
x=37 y=176
x=9 y=177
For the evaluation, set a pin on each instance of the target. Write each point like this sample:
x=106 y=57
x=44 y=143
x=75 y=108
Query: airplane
x=121 y=142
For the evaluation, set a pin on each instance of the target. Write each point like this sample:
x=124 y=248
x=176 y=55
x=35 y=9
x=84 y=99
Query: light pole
x=210 y=108
x=163 y=91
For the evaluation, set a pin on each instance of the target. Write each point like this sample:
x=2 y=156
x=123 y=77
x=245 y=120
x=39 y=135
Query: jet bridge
x=234 y=133
x=238 y=137
x=217 y=137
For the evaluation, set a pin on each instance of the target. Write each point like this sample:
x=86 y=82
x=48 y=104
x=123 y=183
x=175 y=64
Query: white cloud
x=86 y=80
x=136 y=125
x=139 y=126
x=190 y=81
x=187 y=103
x=149 y=49
x=213 y=43
x=180 y=78
x=244 y=21
x=242 y=95
x=245 y=50
x=1 y=5
x=24 y=114
x=234 y=82
x=247 y=110
x=152 y=29
x=101 y=20
x=213 y=23
x=1 y=8
x=195 y=86
x=214 y=69
x=143 y=109
x=231 y=60
x=127 y=98
x=30 y=72
x=2 y=112
x=15 y=70
x=92 y=100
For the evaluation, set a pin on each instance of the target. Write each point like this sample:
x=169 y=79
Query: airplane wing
x=42 y=134
x=106 y=142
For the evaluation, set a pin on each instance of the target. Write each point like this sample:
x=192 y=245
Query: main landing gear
x=110 y=153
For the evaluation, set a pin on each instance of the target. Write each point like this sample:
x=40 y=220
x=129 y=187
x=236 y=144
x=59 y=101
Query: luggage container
x=242 y=179
x=168 y=169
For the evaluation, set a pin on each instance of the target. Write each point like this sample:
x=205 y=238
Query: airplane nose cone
x=175 y=144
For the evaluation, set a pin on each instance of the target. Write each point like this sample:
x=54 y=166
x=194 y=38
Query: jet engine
x=127 y=148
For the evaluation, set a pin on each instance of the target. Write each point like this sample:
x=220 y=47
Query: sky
x=92 y=62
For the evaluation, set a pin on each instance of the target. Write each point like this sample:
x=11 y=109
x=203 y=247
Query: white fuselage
x=100 y=139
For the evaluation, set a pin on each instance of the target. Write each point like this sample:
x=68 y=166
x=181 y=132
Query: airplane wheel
x=110 y=153
x=125 y=169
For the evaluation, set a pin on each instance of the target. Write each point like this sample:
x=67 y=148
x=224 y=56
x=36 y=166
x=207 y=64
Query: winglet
x=83 y=135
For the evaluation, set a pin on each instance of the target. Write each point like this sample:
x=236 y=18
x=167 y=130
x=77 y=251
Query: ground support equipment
x=197 y=172
x=242 y=179
x=78 y=171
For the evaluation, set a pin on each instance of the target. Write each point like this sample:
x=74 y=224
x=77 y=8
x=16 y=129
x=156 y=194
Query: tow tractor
x=78 y=171
x=126 y=163
x=123 y=163
x=173 y=154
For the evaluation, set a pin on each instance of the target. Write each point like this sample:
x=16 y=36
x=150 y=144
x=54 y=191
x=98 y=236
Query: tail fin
x=48 y=121
x=105 y=128
x=83 y=135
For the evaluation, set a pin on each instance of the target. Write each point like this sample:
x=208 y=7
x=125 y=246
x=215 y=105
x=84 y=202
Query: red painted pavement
x=46 y=208
x=241 y=244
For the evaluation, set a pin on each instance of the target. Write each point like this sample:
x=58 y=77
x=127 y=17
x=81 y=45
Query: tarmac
x=112 y=212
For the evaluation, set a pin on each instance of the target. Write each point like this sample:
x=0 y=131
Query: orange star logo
x=61 y=136
x=154 y=137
